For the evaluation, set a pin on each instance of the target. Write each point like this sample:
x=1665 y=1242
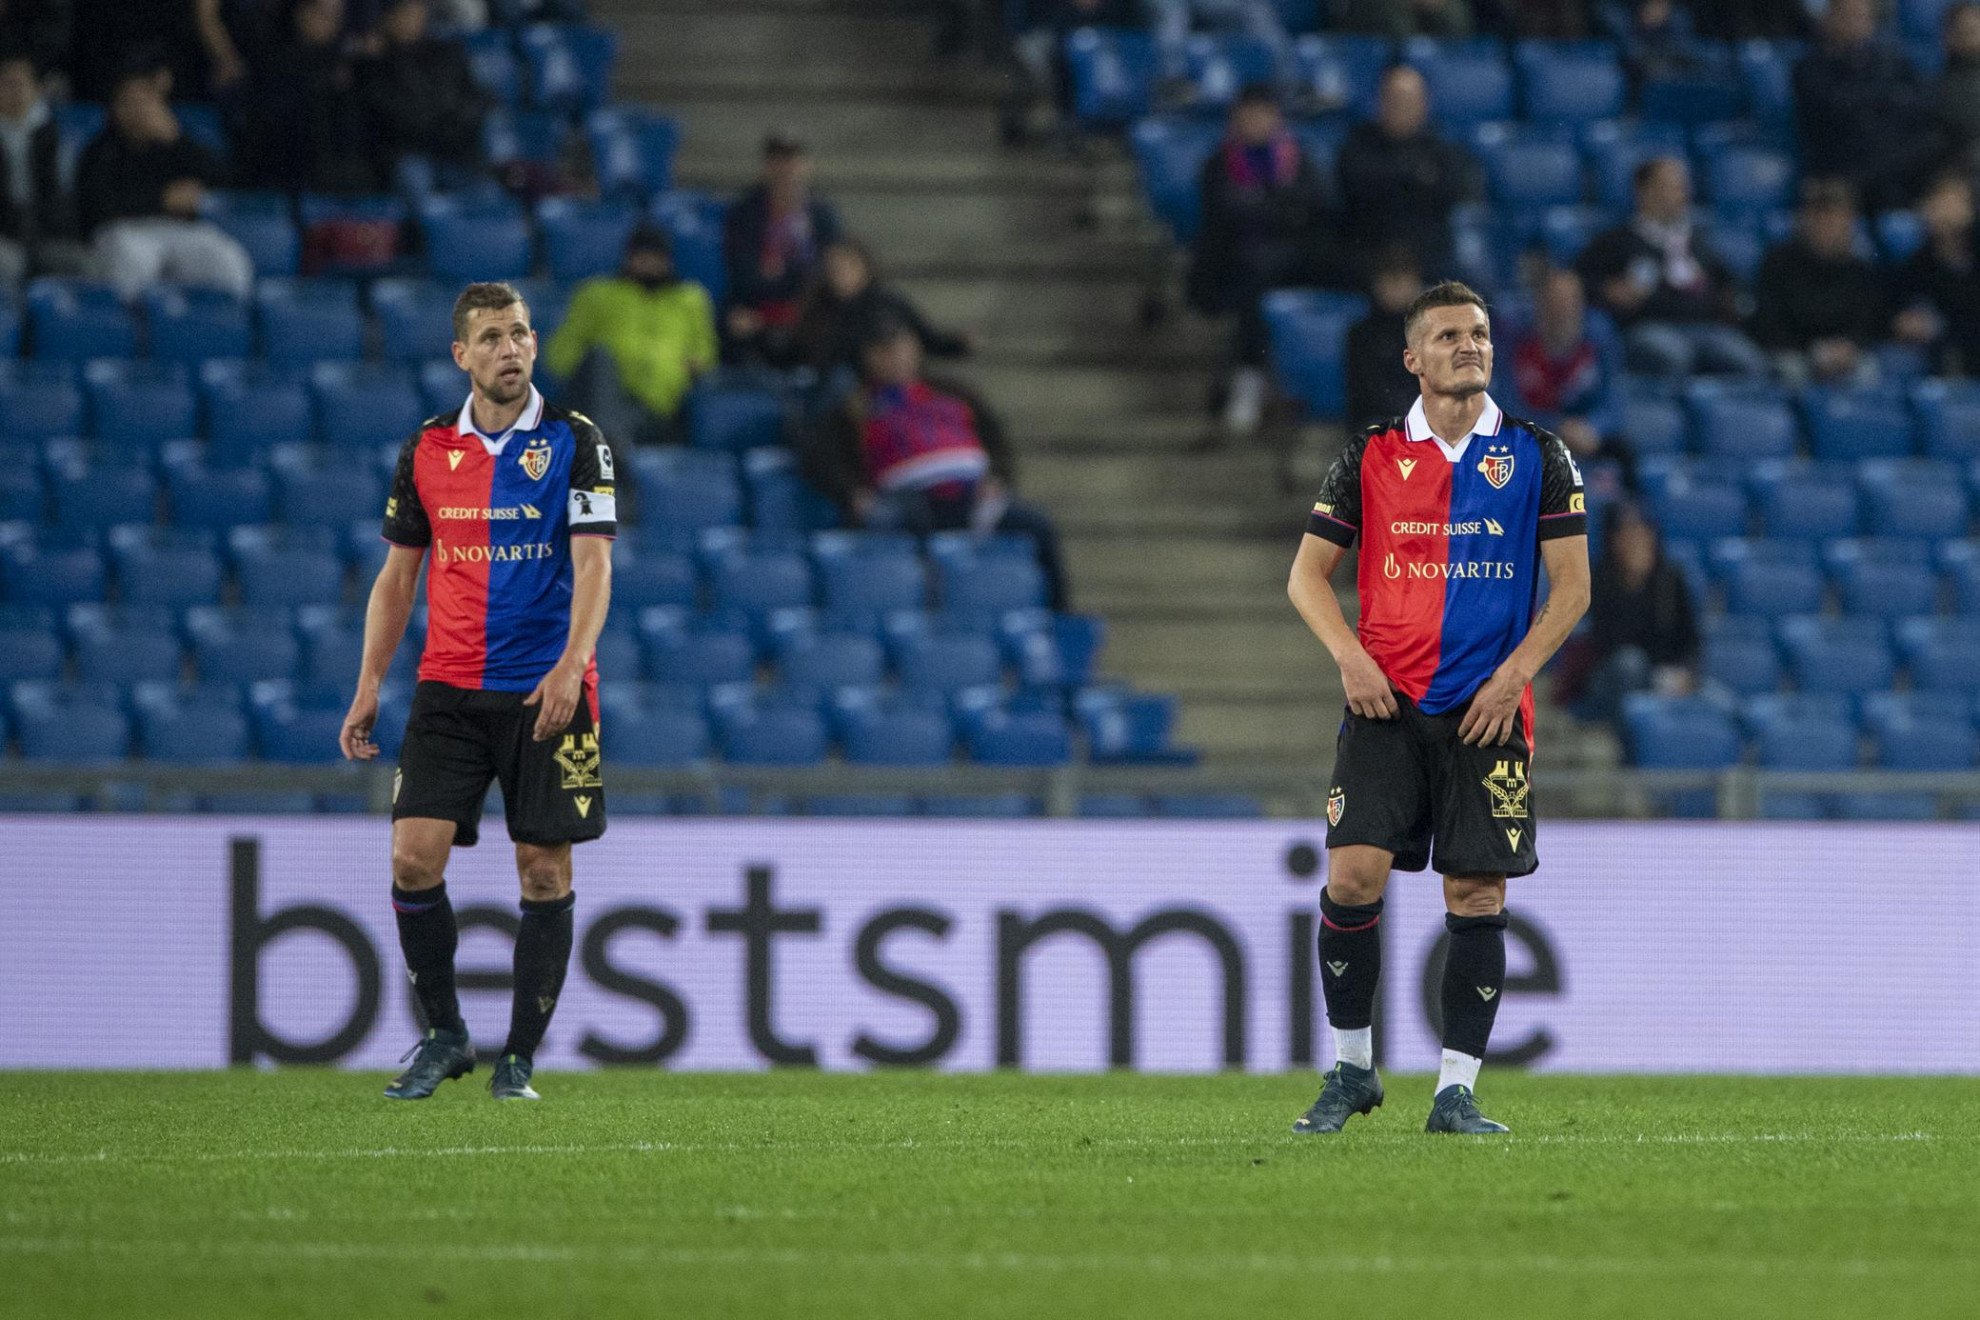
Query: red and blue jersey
x=497 y=514
x=1450 y=544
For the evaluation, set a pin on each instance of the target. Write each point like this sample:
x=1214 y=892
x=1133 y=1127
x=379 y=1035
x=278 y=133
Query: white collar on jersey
x=1417 y=427
x=531 y=418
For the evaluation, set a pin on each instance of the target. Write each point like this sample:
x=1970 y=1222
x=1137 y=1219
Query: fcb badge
x=535 y=460
x=1497 y=465
x=1336 y=804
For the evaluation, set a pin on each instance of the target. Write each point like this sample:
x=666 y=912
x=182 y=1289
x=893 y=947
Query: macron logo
x=1337 y=968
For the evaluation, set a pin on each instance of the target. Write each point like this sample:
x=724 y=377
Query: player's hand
x=355 y=736
x=1489 y=722
x=1367 y=687
x=558 y=696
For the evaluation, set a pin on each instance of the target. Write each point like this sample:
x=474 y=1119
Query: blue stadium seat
x=1767 y=69
x=70 y=320
x=1208 y=806
x=88 y=498
x=1021 y=738
x=703 y=657
x=642 y=577
x=1575 y=86
x=1218 y=65
x=569 y=65
x=1794 y=733
x=1763 y=577
x=1886 y=806
x=10 y=329
x=70 y=730
x=989 y=585
x=1848 y=655
x=659 y=736
x=40 y=400
x=779 y=496
x=632 y=151
x=33 y=574
x=135 y=405
x=1777 y=805
x=1689 y=509
x=293 y=734
x=365 y=406
x=858 y=805
x=1741 y=421
x=1614 y=148
x=1744 y=664
x=946 y=662
x=773 y=735
x=332 y=496
x=1883 y=579
x=1170 y=151
x=23 y=498
x=30 y=648
x=756 y=583
x=203 y=726
x=825 y=661
x=232 y=645
x=900 y=735
x=250 y=409
x=192 y=325
x=1528 y=170
x=124 y=644
x=1809 y=506
x=583 y=239
x=200 y=497
x=1309 y=345
x=1112 y=72
x=1941 y=655
x=537 y=137
x=492 y=60
x=869 y=579
x=1113 y=806
x=308 y=320
x=1949 y=417
x=1925 y=501
x=1469 y=84
x=263 y=224
x=279 y=568
x=694 y=222
x=679 y=489
x=1679 y=733
x=1847 y=425
x=1921 y=730
x=1707 y=94
x=1748 y=180
x=1126 y=726
x=1959 y=562
x=474 y=239
x=734 y=418
x=415 y=320
x=981 y=806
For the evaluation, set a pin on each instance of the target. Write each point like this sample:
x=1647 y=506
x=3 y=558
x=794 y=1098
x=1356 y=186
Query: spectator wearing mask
x=1657 y=278
x=191 y=37
x=139 y=188
x=1401 y=19
x=632 y=344
x=37 y=215
x=771 y=240
x=1400 y=181
x=1042 y=94
x=303 y=125
x=1264 y=226
x=904 y=452
x=1379 y=387
x=847 y=301
x=1863 y=113
x=1958 y=93
x=1937 y=289
x=420 y=97
x=1645 y=631
x=1818 y=306
x=1566 y=368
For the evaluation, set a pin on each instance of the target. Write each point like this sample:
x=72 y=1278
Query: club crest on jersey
x=1336 y=804
x=1497 y=465
x=535 y=460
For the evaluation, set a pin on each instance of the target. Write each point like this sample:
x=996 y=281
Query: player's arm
x=593 y=514
x=1330 y=530
x=408 y=532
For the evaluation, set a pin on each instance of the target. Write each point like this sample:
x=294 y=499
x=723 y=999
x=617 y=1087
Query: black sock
x=1474 y=974
x=543 y=952
x=428 y=937
x=1350 y=960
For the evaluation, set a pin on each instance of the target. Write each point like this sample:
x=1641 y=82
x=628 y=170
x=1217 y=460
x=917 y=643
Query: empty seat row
x=1877 y=579
x=1922 y=501
x=1809 y=732
x=1853 y=656
x=1752 y=420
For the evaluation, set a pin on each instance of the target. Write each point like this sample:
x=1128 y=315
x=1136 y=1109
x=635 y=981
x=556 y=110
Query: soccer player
x=1456 y=507
x=513 y=498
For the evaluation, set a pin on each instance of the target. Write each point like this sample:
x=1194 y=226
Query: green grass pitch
x=302 y=1193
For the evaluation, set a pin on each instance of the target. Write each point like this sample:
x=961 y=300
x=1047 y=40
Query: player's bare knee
x=1475 y=896
x=1355 y=880
x=545 y=872
x=415 y=869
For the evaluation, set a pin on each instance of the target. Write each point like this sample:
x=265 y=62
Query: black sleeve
x=990 y=431
x=594 y=503
x=829 y=455
x=1563 y=503
x=405 y=517
x=1336 y=514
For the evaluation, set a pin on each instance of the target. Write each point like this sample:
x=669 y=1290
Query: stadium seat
x=332 y=496
x=49 y=575
x=30 y=648
x=415 y=319
x=1469 y=84
x=1748 y=180
x=1924 y=501
x=694 y=222
x=900 y=735
x=1949 y=418
x=869 y=580
x=679 y=489
x=1707 y=93
x=1113 y=806
x=1342 y=71
x=990 y=585
x=1309 y=343
x=1170 y=151
x=1021 y=738
x=756 y=583
x=190 y=326
x=583 y=239
x=493 y=63
x=1576 y=86
x=1207 y=806
x=1654 y=421
x=1847 y=425
x=773 y=735
x=1759 y=582
x=660 y=736
x=1125 y=726
x=1678 y=733
x=1792 y=733
x=250 y=409
x=1809 y=506
x=70 y=320
x=279 y=568
x=981 y=806
x=569 y=65
x=533 y=137
x=1848 y=655
x=122 y=645
x=642 y=577
x=1921 y=730
x=1959 y=561
x=70 y=730
x=779 y=497
x=263 y=224
x=825 y=661
x=202 y=727
x=40 y=400
x=632 y=151
x=10 y=329
x=1941 y=654
x=469 y=239
x=204 y=498
x=1219 y=65
x=361 y=407
x=946 y=662
x=241 y=646
x=702 y=657
x=1743 y=422
x=89 y=498
x=1614 y=148
x=1882 y=579
x=734 y=418
x=135 y=405
x=308 y=320
x=1112 y=73
x=290 y=733
x=1742 y=664
x=1526 y=171
x=1690 y=509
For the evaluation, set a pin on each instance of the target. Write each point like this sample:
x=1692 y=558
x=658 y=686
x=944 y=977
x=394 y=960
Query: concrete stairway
x=1184 y=552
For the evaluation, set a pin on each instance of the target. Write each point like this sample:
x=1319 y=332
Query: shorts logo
x=1497 y=465
x=1512 y=839
x=535 y=460
x=1336 y=804
x=1507 y=785
x=579 y=757
x=1486 y=993
x=583 y=804
x=454 y=457
x=1406 y=466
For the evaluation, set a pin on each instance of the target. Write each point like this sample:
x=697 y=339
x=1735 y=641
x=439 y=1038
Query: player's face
x=499 y=353
x=1451 y=351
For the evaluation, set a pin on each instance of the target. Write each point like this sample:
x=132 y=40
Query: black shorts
x=458 y=741
x=1411 y=786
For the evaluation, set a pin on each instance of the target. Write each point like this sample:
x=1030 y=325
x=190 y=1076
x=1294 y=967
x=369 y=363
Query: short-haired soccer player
x=510 y=505
x=1456 y=507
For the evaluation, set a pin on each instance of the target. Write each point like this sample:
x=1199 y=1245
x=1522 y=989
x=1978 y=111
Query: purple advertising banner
x=196 y=942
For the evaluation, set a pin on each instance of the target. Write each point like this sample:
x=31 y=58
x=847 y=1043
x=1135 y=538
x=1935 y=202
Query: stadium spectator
x=1041 y=94
x=1938 y=287
x=1661 y=282
x=1379 y=387
x=1644 y=633
x=1864 y=114
x=37 y=214
x=1173 y=20
x=847 y=300
x=1958 y=92
x=302 y=123
x=1407 y=18
x=771 y=239
x=1566 y=368
x=189 y=36
x=1656 y=38
x=139 y=188
x=420 y=97
x=633 y=343
x=908 y=453
x=1400 y=181
x=1264 y=226
x=1818 y=306
x=39 y=29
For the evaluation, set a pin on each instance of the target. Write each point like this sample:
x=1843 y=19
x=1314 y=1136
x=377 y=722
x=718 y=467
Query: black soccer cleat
x=1456 y=1110
x=439 y=1057
x=510 y=1080
x=1345 y=1092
